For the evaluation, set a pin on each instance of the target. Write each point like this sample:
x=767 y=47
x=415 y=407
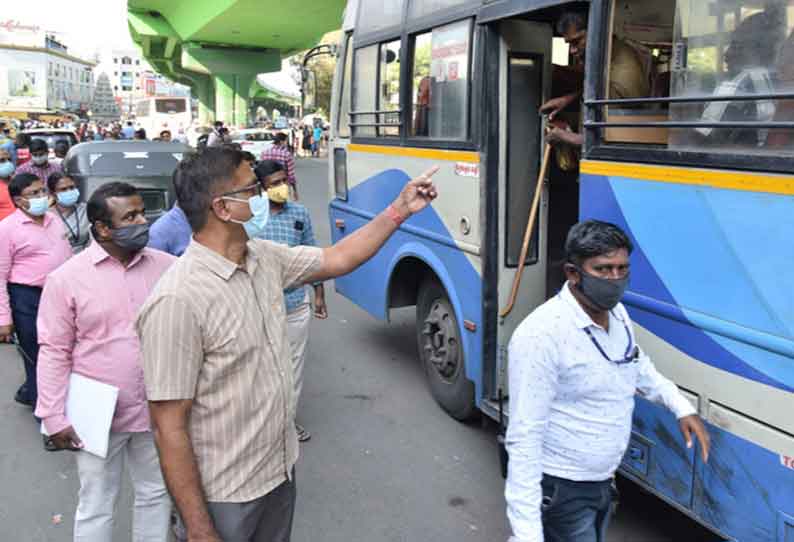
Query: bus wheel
x=438 y=339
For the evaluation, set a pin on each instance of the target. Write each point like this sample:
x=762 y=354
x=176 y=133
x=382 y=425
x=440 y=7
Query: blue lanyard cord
x=631 y=355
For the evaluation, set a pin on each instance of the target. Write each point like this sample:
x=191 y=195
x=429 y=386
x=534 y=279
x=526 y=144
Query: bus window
x=166 y=105
x=374 y=16
x=727 y=50
x=389 y=96
x=364 y=98
x=440 y=82
x=343 y=121
x=420 y=8
x=692 y=49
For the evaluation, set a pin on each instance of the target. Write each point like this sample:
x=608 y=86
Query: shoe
x=21 y=397
x=48 y=445
x=303 y=435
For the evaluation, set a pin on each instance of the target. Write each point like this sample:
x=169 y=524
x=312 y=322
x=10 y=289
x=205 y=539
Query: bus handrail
x=376 y=112
x=689 y=124
x=370 y=124
x=690 y=99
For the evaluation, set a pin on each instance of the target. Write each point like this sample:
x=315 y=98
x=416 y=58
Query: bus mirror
x=309 y=89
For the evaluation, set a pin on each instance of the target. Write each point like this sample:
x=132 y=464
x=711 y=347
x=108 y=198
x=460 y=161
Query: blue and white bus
x=700 y=173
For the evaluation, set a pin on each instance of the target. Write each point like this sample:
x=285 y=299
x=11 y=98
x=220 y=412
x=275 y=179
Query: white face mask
x=39 y=160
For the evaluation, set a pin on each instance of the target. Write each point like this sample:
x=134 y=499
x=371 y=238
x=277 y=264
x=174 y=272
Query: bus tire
x=441 y=351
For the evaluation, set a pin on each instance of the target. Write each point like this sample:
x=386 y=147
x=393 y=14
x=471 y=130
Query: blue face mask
x=6 y=169
x=68 y=198
x=38 y=206
x=260 y=213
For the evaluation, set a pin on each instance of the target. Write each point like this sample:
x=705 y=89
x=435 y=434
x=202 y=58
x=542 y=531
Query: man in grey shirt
x=575 y=367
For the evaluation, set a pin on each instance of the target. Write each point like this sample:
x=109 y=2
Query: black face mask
x=603 y=293
x=132 y=238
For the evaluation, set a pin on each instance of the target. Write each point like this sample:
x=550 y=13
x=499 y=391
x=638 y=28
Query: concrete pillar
x=204 y=92
x=224 y=85
x=242 y=99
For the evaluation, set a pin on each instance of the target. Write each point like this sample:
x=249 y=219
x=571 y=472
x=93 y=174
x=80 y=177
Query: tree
x=323 y=67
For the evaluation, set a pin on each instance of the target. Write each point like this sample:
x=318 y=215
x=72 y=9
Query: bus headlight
x=340 y=173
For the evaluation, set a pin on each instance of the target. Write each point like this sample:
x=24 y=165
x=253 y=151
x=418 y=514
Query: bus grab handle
x=533 y=212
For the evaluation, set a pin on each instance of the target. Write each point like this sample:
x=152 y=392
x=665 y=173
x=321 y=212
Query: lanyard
x=74 y=235
x=631 y=355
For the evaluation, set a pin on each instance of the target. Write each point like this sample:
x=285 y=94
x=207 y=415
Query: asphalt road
x=385 y=464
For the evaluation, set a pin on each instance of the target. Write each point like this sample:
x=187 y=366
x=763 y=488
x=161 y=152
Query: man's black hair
x=38 y=145
x=140 y=133
x=218 y=123
x=19 y=183
x=577 y=19
x=165 y=132
x=98 y=210
x=281 y=137
x=52 y=180
x=200 y=178
x=594 y=238
x=266 y=168
x=249 y=156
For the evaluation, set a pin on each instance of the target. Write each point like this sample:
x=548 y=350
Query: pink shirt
x=86 y=325
x=42 y=172
x=29 y=251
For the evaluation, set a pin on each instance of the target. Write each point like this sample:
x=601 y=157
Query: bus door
x=525 y=83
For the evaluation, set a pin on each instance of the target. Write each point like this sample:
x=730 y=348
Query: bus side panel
x=691 y=250
x=657 y=453
x=745 y=490
x=425 y=237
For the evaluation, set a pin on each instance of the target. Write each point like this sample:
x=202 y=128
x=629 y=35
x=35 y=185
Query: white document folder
x=90 y=405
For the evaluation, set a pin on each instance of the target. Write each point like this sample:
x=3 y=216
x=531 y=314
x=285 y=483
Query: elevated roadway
x=217 y=47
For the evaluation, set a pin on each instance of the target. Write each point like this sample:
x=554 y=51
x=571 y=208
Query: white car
x=254 y=140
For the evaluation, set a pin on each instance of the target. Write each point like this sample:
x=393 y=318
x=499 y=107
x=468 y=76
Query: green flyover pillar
x=202 y=89
x=232 y=72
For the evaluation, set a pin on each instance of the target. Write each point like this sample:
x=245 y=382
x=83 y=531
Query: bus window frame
x=406 y=33
x=415 y=141
x=347 y=49
x=596 y=148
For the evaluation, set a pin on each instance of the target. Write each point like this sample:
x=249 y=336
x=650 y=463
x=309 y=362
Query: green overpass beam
x=219 y=46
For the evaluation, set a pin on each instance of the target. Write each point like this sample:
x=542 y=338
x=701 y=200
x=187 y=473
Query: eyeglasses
x=632 y=354
x=250 y=188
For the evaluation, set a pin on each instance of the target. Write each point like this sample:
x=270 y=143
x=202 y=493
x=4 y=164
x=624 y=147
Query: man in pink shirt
x=40 y=165
x=32 y=245
x=86 y=326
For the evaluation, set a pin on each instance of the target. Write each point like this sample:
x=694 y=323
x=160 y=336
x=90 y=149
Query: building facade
x=38 y=75
x=132 y=79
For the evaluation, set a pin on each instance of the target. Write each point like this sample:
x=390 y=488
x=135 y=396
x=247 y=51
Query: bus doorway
x=525 y=84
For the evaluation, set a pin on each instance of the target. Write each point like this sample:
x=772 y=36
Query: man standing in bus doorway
x=574 y=369
x=627 y=77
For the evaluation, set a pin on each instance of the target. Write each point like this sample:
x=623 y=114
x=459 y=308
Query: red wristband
x=395 y=216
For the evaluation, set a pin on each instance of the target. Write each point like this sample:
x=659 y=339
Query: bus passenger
x=627 y=77
x=574 y=369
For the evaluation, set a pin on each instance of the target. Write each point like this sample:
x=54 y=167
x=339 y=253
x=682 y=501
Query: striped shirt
x=42 y=172
x=280 y=153
x=215 y=332
x=291 y=226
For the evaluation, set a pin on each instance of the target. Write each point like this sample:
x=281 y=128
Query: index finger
x=427 y=174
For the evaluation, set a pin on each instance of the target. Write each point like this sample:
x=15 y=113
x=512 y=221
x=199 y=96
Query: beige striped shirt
x=215 y=332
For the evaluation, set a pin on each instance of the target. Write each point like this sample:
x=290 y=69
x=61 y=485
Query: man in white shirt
x=574 y=369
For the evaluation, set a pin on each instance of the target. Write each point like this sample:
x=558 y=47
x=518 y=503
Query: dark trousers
x=24 y=311
x=575 y=511
x=266 y=519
